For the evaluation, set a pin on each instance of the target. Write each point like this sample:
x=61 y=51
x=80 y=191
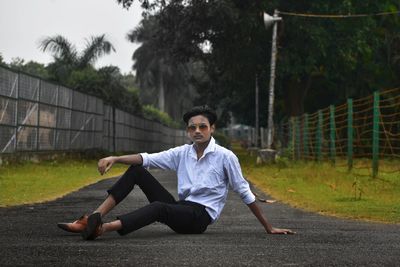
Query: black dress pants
x=183 y=217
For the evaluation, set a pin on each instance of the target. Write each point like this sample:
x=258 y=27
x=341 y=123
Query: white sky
x=23 y=23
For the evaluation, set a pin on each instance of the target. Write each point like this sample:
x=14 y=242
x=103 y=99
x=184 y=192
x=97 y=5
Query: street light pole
x=268 y=20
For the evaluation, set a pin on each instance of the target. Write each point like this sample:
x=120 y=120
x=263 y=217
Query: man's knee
x=136 y=168
x=137 y=171
x=161 y=210
x=158 y=205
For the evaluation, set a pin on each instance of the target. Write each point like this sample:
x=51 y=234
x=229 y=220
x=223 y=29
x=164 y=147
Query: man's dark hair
x=205 y=110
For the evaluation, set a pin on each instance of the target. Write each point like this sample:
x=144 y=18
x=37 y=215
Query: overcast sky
x=24 y=22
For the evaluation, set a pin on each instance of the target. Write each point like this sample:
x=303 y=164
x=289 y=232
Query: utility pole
x=267 y=21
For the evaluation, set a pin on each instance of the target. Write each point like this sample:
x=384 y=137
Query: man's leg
x=135 y=175
x=105 y=207
x=154 y=191
x=182 y=217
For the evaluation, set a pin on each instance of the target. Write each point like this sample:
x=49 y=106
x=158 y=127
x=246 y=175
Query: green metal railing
x=367 y=129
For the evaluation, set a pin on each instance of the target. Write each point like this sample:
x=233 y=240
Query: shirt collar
x=210 y=148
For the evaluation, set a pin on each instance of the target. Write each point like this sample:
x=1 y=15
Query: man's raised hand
x=105 y=164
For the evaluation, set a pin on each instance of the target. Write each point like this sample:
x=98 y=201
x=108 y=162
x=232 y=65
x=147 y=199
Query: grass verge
x=27 y=183
x=325 y=189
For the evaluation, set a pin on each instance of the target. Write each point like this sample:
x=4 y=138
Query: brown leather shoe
x=75 y=227
x=93 y=228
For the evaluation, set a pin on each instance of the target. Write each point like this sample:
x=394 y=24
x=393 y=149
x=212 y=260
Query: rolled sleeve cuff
x=249 y=198
x=145 y=158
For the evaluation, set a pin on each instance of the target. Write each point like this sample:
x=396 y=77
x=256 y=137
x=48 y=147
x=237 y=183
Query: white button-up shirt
x=204 y=181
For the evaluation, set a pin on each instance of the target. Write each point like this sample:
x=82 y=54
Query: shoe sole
x=94 y=220
x=65 y=227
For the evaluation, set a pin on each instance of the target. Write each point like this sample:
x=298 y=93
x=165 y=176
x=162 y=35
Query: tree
x=107 y=84
x=323 y=61
x=183 y=28
x=129 y=82
x=116 y=93
x=75 y=69
x=66 y=57
x=31 y=67
x=158 y=73
x=320 y=61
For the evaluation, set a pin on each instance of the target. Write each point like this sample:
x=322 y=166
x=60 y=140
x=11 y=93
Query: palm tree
x=158 y=74
x=149 y=64
x=68 y=59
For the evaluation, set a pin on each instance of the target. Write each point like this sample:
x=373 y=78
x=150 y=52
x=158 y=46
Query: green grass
x=328 y=190
x=310 y=186
x=28 y=183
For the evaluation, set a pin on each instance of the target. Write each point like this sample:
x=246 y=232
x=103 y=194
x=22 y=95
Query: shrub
x=222 y=139
x=152 y=113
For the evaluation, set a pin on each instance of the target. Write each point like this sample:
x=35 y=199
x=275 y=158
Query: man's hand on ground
x=278 y=231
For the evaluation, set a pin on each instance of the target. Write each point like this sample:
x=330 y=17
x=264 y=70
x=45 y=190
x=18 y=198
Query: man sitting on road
x=204 y=170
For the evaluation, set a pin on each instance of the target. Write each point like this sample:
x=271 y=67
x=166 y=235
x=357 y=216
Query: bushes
x=152 y=113
x=222 y=139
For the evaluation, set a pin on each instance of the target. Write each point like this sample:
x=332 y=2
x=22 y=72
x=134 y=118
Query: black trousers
x=183 y=217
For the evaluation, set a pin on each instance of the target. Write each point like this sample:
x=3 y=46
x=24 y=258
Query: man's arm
x=267 y=226
x=105 y=164
x=241 y=186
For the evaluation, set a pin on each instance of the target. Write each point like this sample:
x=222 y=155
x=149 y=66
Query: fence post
x=297 y=135
x=305 y=136
x=38 y=115
x=375 y=136
x=113 y=129
x=282 y=138
x=350 y=134
x=16 y=112
x=319 y=135
x=291 y=137
x=57 y=119
x=332 y=134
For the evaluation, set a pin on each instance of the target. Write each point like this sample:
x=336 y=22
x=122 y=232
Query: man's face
x=199 y=129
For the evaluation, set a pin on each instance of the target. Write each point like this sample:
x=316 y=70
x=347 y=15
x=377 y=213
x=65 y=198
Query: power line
x=332 y=16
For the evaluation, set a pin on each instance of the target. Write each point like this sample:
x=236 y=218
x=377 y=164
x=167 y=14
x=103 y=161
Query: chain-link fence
x=36 y=115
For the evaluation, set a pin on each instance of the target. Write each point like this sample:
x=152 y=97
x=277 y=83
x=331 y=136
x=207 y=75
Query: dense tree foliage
x=66 y=57
x=31 y=67
x=75 y=70
x=163 y=80
x=321 y=61
x=181 y=34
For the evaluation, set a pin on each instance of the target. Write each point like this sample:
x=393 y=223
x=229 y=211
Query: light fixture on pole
x=268 y=21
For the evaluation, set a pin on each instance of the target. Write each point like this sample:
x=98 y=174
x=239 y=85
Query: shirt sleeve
x=166 y=160
x=236 y=179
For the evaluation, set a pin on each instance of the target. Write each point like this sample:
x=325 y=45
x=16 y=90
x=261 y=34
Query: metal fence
x=366 y=129
x=36 y=115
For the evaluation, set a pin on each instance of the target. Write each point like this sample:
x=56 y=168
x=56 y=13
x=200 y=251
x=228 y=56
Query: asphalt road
x=29 y=236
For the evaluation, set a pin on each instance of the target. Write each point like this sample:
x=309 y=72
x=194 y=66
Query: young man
x=204 y=170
